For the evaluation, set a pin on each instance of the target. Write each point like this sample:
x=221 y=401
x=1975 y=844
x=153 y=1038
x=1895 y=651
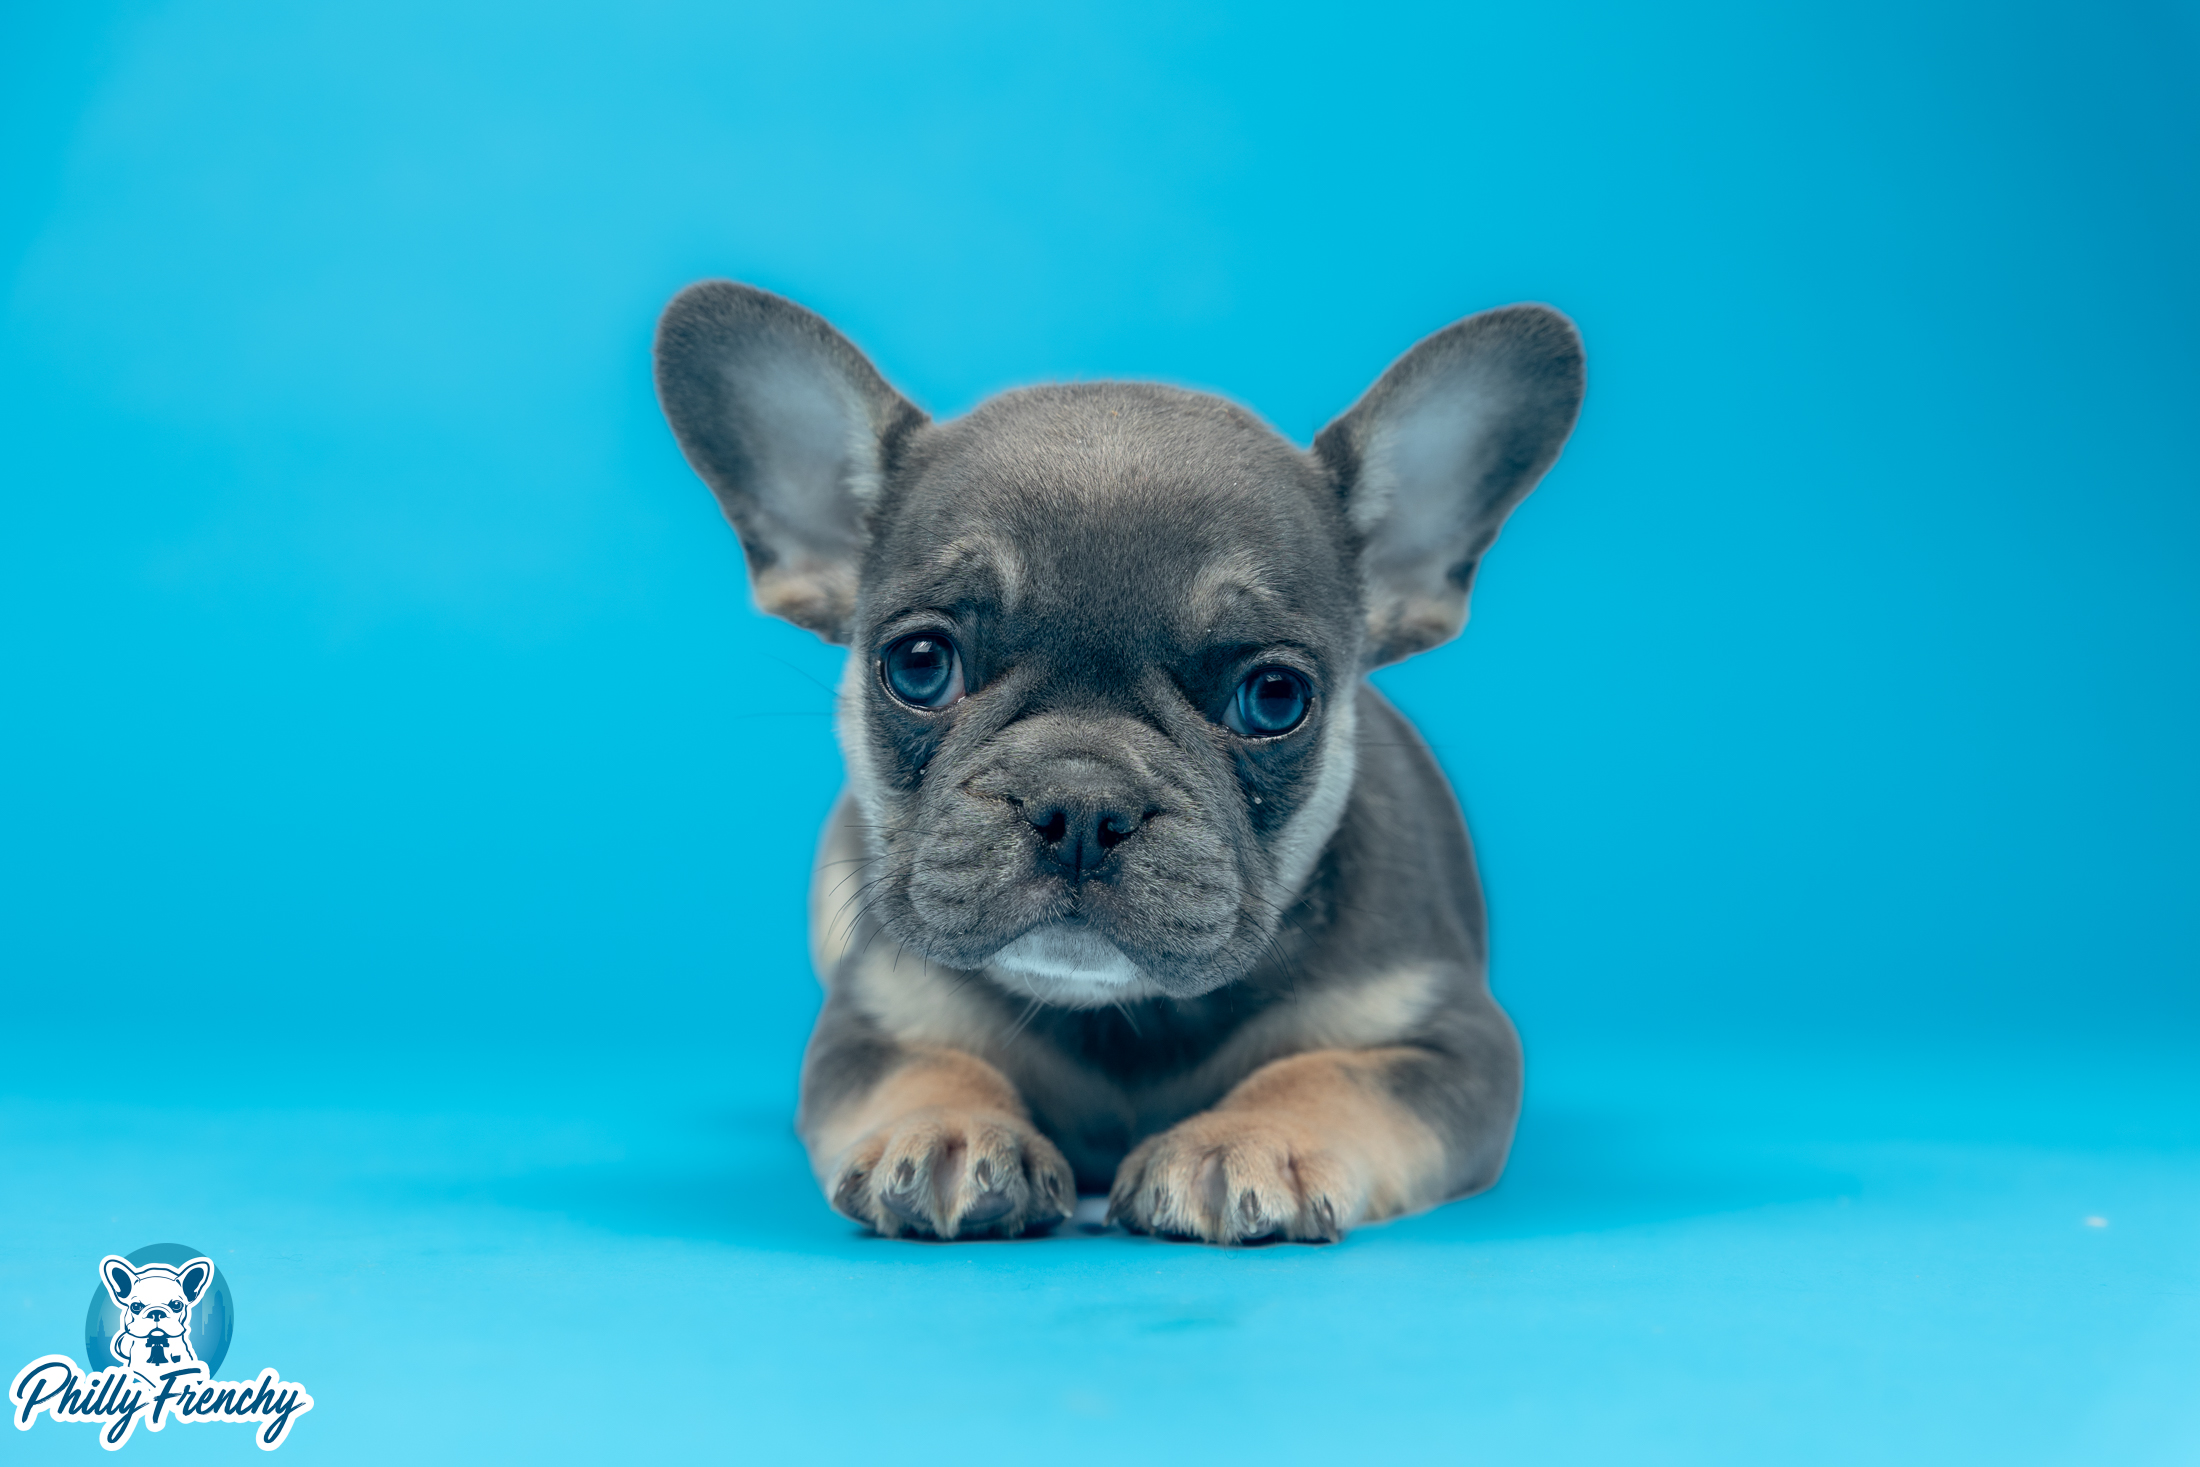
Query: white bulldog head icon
x=155 y=1300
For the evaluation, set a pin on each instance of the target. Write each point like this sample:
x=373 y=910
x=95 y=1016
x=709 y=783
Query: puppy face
x=155 y=1297
x=1098 y=713
x=1100 y=702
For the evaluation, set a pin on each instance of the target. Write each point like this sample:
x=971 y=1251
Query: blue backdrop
x=405 y=815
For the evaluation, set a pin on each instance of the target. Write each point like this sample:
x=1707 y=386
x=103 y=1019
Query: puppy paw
x=1224 y=1177
x=944 y=1173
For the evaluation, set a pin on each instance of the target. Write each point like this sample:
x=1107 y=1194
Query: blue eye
x=924 y=671
x=1271 y=701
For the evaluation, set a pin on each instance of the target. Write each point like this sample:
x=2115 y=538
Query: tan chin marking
x=1303 y=1149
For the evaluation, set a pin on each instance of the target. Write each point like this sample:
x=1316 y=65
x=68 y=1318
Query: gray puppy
x=1137 y=885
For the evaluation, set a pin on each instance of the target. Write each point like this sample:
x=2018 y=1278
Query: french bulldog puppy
x=1137 y=885
x=155 y=1301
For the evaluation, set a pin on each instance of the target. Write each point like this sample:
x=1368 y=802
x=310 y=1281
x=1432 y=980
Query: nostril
x=1079 y=837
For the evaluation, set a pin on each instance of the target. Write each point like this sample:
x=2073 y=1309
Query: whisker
x=859 y=896
x=800 y=673
x=1029 y=1010
x=851 y=876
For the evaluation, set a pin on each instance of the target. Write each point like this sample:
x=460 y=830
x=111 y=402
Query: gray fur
x=1112 y=559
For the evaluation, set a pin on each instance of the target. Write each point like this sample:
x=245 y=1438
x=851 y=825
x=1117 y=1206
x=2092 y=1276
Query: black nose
x=156 y=1314
x=1079 y=834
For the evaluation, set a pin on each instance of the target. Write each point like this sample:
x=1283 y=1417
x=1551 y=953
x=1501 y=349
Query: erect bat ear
x=789 y=425
x=120 y=1276
x=193 y=1277
x=1438 y=452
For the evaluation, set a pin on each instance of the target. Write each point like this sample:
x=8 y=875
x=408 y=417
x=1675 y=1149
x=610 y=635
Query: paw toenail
x=905 y=1175
x=904 y=1205
x=850 y=1188
x=1325 y=1217
x=988 y=1210
x=982 y=1174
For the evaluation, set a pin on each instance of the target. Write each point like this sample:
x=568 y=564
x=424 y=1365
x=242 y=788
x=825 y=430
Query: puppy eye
x=924 y=671
x=137 y=1308
x=1271 y=701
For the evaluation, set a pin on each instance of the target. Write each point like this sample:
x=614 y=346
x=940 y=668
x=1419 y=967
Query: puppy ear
x=193 y=1277
x=790 y=426
x=120 y=1276
x=1438 y=452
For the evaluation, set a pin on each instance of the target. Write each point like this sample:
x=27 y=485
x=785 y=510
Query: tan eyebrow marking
x=987 y=556
x=1231 y=578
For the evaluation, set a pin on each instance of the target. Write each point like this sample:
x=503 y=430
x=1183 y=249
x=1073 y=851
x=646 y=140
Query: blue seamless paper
x=387 y=718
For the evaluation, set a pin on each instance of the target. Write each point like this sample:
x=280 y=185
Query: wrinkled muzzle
x=1097 y=823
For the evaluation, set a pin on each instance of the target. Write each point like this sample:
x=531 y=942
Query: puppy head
x=1104 y=638
x=157 y=1296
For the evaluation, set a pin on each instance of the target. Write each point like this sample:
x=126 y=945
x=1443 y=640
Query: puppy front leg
x=926 y=1140
x=1308 y=1146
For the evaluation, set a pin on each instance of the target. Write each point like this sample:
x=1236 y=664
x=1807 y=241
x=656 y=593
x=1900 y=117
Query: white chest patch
x=1071 y=966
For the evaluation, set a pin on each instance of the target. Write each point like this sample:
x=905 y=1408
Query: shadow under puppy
x=1137 y=885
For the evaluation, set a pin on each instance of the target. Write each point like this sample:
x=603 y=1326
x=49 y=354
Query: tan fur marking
x=1232 y=576
x=818 y=595
x=1304 y=1148
x=1380 y=1011
x=943 y=1078
x=920 y=1002
x=987 y=553
x=1335 y=1098
x=941 y=1146
x=1399 y=626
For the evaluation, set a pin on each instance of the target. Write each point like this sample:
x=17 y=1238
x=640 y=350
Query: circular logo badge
x=213 y=1318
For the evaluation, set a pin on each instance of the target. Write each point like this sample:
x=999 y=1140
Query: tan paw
x=946 y=1173
x=1236 y=1177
